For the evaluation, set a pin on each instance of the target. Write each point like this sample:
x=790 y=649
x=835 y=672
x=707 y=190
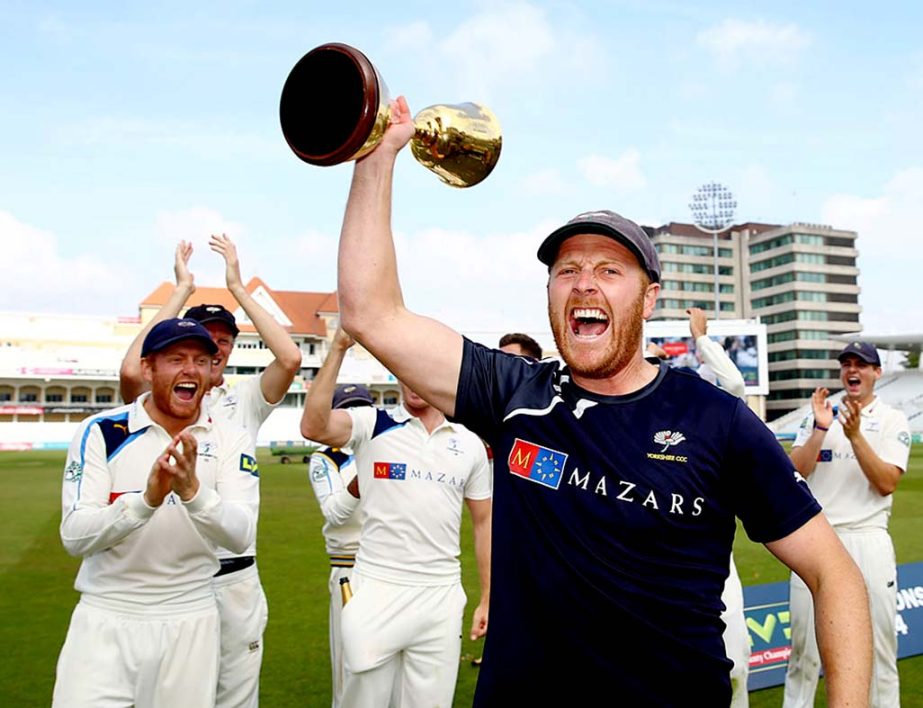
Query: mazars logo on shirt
x=830 y=456
x=390 y=470
x=536 y=463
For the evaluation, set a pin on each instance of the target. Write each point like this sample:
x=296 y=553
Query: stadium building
x=801 y=280
x=57 y=369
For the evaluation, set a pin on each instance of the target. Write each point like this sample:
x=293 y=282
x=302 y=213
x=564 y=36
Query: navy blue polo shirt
x=613 y=521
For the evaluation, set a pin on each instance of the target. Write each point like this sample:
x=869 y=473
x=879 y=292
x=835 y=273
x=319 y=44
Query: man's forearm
x=881 y=475
x=844 y=637
x=367 y=281
x=315 y=418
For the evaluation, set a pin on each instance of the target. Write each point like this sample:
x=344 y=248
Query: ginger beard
x=179 y=377
x=598 y=298
x=599 y=360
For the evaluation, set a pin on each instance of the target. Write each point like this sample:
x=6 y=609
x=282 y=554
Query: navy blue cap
x=605 y=223
x=865 y=351
x=168 y=332
x=213 y=313
x=350 y=395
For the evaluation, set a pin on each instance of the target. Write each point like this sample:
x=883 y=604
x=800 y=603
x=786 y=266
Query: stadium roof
x=298 y=312
x=885 y=341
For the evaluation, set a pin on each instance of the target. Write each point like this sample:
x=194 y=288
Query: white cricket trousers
x=244 y=613
x=114 y=659
x=873 y=552
x=736 y=637
x=401 y=641
x=336 y=635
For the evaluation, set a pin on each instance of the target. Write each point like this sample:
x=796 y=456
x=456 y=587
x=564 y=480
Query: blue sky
x=126 y=127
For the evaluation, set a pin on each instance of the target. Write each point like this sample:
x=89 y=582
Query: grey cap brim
x=548 y=251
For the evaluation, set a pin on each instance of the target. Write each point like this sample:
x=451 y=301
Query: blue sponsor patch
x=248 y=465
x=825 y=456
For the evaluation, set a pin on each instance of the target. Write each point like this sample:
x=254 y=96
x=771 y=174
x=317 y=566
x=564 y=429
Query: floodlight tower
x=712 y=209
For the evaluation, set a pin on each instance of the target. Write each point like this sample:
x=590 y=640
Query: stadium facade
x=801 y=280
x=57 y=369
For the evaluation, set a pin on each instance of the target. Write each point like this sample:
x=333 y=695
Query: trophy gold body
x=335 y=107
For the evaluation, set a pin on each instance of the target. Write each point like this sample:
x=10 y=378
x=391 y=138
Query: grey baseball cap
x=605 y=223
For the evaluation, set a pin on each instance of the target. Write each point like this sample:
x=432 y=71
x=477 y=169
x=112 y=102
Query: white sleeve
x=895 y=440
x=729 y=376
x=329 y=479
x=90 y=523
x=804 y=431
x=364 y=419
x=227 y=515
x=480 y=481
x=255 y=405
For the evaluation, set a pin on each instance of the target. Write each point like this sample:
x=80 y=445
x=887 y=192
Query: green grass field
x=37 y=596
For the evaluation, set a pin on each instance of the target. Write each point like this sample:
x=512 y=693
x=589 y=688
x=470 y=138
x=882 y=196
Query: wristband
x=820 y=427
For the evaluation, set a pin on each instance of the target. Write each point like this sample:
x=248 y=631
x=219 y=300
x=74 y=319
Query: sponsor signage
x=769 y=624
x=20 y=410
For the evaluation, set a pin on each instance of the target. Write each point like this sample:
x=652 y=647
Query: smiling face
x=224 y=339
x=858 y=378
x=178 y=376
x=598 y=299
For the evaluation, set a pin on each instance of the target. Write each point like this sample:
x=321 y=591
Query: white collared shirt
x=838 y=483
x=145 y=557
x=413 y=484
x=240 y=404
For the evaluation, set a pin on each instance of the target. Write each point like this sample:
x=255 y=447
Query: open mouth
x=185 y=391
x=853 y=381
x=588 y=322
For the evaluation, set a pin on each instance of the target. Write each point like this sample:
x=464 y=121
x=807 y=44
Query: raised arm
x=319 y=422
x=882 y=475
x=131 y=383
x=421 y=352
x=278 y=376
x=841 y=608
x=713 y=354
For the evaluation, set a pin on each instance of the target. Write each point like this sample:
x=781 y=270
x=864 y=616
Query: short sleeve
x=769 y=496
x=363 y=419
x=895 y=440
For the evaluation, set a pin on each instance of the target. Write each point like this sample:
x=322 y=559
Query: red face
x=858 y=378
x=179 y=376
x=224 y=339
x=598 y=299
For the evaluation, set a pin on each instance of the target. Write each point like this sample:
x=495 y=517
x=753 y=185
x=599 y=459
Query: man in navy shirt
x=614 y=498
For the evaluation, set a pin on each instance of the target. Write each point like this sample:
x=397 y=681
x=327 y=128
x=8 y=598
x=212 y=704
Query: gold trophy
x=335 y=107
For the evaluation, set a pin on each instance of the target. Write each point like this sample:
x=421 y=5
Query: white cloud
x=35 y=272
x=501 y=48
x=889 y=250
x=622 y=173
x=475 y=282
x=758 y=41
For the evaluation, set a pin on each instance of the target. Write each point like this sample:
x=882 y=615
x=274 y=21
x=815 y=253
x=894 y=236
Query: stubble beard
x=622 y=345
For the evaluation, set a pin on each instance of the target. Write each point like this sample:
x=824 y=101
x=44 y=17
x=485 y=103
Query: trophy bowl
x=335 y=107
